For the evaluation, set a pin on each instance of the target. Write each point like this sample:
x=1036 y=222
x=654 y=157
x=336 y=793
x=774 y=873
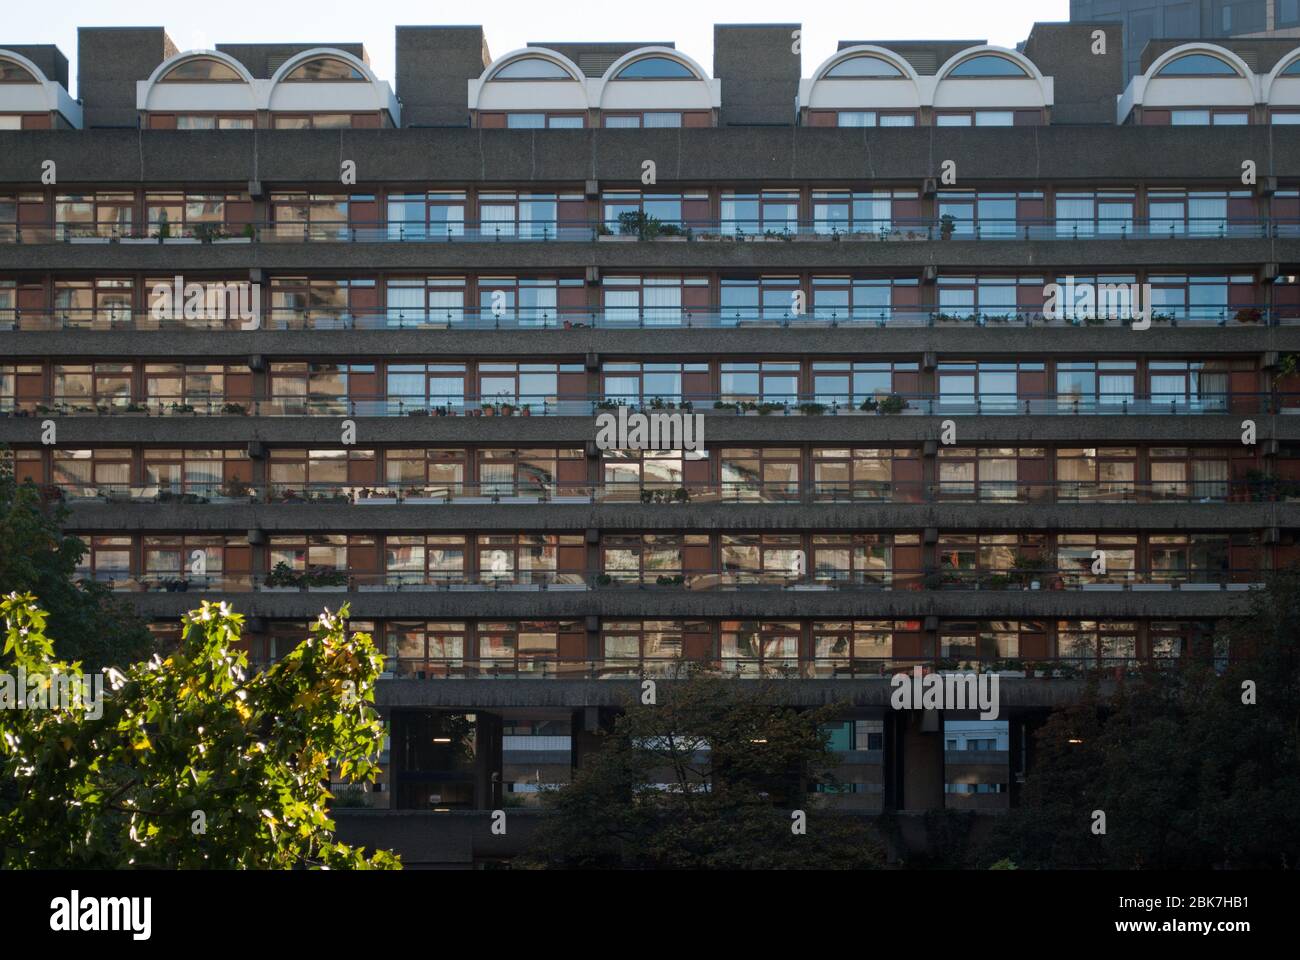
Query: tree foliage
x=193 y=761
x=1188 y=775
x=707 y=779
x=93 y=625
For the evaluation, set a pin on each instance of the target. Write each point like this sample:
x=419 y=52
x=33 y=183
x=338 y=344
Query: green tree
x=188 y=761
x=1188 y=774
x=706 y=779
x=93 y=626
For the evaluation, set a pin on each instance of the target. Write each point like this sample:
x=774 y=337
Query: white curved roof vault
x=1149 y=89
x=903 y=93
x=253 y=94
x=913 y=90
x=43 y=96
x=1279 y=91
x=488 y=93
x=700 y=93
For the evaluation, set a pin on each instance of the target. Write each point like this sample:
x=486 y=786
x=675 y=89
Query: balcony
x=618 y=318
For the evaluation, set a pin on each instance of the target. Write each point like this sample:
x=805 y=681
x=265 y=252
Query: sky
x=510 y=24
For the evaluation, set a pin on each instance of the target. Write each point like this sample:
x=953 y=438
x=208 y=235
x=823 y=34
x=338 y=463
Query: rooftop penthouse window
x=201 y=70
x=987 y=65
x=863 y=66
x=325 y=68
x=532 y=68
x=656 y=68
x=11 y=72
x=1198 y=65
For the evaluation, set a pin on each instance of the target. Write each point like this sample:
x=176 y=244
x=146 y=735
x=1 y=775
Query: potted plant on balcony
x=892 y=404
x=1249 y=315
x=234 y=410
x=283 y=579
x=947 y=224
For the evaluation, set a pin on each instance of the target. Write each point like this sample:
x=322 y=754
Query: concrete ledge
x=654 y=601
x=92 y=517
x=948 y=341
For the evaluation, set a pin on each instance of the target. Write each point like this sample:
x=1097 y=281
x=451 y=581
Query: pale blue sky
x=512 y=23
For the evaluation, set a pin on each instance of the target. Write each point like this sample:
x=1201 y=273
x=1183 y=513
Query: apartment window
x=108 y=560
x=894 y=301
x=861 y=558
x=172 y=560
x=630 y=212
x=992 y=473
x=1075 y=558
x=1085 y=385
x=320 y=474
x=200 y=121
x=422 y=216
x=863 y=473
x=85 y=388
x=975 y=640
x=769 y=381
x=300 y=303
x=546 y=472
x=434 y=559
x=527 y=302
x=655 y=385
x=654 y=474
x=763 y=557
x=198 y=473
x=438 y=474
x=752 y=648
x=761 y=473
x=35 y=212
x=988 y=118
x=198 y=387
x=532 y=120
x=987 y=386
x=1192 y=386
x=426 y=649
x=872 y=212
x=861 y=384
x=323 y=389
x=768 y=212
x=313 y=216
x=1197 y=474
x=969 y=213
x=94 y=214
x=1198 y=212
x=1095 y=473
x=758 y=298
x=531 y=558
x=653 y=301
x=658 y=118
x=1204 y=300
x=434 y=387
x=100 y=304
x=92 y=473
x=860 y=646
x=988 y=559
x=1093 y=643
x=529 y=216
x=647 y=558
x=324 y=121
x=653 y=647
x=1095 y=213
x=985 y=300
x=531 y=385
x=528 y=646
x=216 y=304
x=196 y=214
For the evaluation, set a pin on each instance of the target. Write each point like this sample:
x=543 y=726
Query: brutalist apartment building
x=991 y=354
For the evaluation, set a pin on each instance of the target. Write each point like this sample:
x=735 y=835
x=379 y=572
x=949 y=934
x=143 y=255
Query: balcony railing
x=1013 y=492
x=526 y=405
x=621 y=318
x=718 y=580
x=656 y=230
